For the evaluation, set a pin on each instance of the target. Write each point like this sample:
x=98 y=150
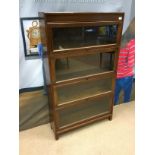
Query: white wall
x=30 y=71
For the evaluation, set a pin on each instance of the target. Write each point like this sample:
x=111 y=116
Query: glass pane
x=72 y=37
x=83 y=89
x=83 y=65
x=83 y=111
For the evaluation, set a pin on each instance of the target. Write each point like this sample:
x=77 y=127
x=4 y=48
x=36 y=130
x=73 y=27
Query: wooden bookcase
x=80 y=65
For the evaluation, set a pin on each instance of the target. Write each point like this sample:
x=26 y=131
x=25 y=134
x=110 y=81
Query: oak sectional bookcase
x=80 y=65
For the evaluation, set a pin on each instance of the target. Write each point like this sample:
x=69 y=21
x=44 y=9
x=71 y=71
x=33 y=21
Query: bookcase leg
x=56 y=136
x=110 y=118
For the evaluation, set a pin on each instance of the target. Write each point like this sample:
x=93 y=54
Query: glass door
x=75 y=37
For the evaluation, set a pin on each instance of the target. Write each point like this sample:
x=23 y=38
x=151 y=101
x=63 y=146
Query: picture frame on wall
x=30 y=35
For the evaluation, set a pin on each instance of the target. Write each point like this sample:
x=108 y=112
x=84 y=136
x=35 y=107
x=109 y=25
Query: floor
x=33 y=109
x=106 y=137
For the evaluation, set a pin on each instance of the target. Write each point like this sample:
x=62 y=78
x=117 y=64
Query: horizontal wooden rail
x=80 y=24
x=97 y=76
x=83 y=51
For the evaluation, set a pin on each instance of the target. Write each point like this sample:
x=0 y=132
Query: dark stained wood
x=79 y=24
x=110 y=118
x=83 y=122
x=115 y=63
x=84 y=79
x=82 y=17
x=83 y=51
x=54 y=125
x=70 y=19
x=99 y=48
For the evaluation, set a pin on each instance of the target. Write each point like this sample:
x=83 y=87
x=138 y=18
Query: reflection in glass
x=72 y=67
x=83 y=111
x=83 y=90
x=72 y=37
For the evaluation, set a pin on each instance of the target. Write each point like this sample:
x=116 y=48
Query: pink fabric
x=126 y=60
